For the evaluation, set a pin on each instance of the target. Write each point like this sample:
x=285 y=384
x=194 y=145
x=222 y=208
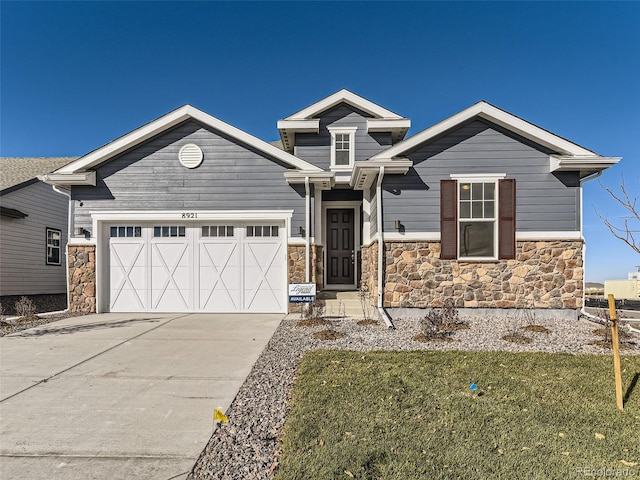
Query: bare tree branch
x=631 y=222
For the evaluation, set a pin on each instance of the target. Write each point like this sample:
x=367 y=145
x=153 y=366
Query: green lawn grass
x=412 y=415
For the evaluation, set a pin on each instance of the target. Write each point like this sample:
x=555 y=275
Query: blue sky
x=77 y=75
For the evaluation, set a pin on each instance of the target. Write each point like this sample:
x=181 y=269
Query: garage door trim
x=100 y=219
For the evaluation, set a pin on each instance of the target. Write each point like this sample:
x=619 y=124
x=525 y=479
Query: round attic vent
x=190 y=155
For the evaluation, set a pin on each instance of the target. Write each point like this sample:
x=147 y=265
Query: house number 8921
x=189 y=215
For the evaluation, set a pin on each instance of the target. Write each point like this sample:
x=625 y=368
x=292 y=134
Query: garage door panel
x=263 y=274
x=219 y=276
x=128 y=279
x=171 y=284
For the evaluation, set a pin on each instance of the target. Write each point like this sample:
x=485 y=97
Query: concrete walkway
x=115 y=396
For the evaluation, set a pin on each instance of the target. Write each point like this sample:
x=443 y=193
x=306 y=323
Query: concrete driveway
x=115 y=396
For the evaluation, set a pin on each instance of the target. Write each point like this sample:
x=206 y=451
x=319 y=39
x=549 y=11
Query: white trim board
x=171 y=119
x=495 y=115
x=520 y=236
x=345 y=96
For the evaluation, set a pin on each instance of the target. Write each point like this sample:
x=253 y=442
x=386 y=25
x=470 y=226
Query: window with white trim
x=342 y=147
x=54 y=241
x=477 y=219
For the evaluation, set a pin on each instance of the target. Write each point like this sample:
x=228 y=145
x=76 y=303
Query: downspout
x=66 y=247
x=307 y=224
x=380 y=221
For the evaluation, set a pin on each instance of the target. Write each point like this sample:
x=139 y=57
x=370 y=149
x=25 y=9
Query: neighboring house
x=188 y=213
x=33 y=230
x=624 y=289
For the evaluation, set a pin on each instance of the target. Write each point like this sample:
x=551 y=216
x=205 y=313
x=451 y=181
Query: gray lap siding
x=315 y=148
x=544 y=201
x=232 y=176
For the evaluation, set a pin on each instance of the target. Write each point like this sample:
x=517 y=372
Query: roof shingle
x=16 y=170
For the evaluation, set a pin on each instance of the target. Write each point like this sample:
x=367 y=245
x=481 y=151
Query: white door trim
x=355 y=206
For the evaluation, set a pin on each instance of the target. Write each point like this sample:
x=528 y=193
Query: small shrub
x=25 y=307
x=518 y=317
x=313 y=314
x=314 y=310
x=439 y=323
x=365 y=301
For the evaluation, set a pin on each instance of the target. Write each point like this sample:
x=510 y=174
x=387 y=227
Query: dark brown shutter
x=507 y=219
x=448 y=219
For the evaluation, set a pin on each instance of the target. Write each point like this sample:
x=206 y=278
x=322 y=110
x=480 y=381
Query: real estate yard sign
x=302 y=292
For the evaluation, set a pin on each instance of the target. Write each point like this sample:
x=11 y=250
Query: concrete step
x=338 y=304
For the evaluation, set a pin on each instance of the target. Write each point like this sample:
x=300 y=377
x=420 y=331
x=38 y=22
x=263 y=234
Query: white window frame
x=51 y=246
x=351 y=132
x=479 y=178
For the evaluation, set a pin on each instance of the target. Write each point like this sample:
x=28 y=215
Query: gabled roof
x=80 y=167
x=17 y=170
x=307 y=119
x=570 y=156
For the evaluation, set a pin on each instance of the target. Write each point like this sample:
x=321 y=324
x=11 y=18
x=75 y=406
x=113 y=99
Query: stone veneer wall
x=369 y=277
x=544 y=274
x=82 y=278
x=296 y=255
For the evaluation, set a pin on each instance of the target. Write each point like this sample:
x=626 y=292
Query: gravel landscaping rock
x=247 y=446
x=13 y=325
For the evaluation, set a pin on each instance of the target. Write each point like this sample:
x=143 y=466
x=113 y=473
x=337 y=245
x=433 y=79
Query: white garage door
x=212 y=267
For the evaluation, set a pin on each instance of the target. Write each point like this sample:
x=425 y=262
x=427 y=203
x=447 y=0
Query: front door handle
x=353 y=257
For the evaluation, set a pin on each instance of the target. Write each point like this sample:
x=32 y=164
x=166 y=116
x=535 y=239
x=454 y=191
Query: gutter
x=380 y=219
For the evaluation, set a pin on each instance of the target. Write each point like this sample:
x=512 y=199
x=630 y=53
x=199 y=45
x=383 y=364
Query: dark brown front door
x=340 y=246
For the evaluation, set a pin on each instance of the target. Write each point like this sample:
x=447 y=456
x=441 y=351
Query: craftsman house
x=33 y=234
x=188 y=213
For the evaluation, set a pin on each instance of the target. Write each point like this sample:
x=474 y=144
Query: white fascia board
x=311 y=125
x=494 y=115
x=365 y=171
x=592 y=163
x=65 y=179
x=322 y=180
x=170 y=120
x=347 y=97
x=387 y=124
x=174 y=215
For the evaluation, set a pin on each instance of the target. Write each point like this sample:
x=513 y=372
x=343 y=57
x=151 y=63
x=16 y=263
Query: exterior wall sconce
x=397 y=224
x=82 y=232
x=301 y=230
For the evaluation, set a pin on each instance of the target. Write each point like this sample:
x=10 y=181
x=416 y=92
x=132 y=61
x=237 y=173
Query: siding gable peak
x=307 y=120
x=586 y=161
x=164 y=123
